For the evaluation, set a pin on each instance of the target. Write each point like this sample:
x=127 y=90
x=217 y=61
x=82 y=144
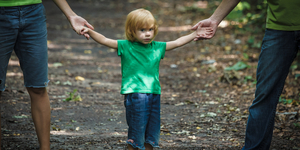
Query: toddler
x=140 y=58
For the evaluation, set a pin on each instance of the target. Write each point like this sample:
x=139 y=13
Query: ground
x=202 y=106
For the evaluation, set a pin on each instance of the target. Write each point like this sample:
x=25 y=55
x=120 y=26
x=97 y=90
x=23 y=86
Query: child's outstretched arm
x=188 y=38
x=100 y=38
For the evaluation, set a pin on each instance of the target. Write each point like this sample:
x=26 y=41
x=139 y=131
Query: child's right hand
x=84 y=30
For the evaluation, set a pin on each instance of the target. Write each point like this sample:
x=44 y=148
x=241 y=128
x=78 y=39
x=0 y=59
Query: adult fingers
x=89 y=25
x=197 y=25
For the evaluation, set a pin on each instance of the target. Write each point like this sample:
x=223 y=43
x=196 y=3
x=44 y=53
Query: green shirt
x=140 y=66
x=283 y=15
x=8 y=3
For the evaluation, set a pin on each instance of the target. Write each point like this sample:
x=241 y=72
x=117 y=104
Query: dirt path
x=198 y=110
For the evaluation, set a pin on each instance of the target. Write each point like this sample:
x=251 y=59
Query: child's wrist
x=194 y=33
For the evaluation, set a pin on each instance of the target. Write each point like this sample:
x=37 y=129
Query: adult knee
x=37 y=91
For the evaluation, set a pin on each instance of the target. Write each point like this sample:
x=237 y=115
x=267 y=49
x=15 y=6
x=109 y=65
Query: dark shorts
x=23 y=29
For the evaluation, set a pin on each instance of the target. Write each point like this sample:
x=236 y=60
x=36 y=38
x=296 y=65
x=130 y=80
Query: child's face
x=145 y=34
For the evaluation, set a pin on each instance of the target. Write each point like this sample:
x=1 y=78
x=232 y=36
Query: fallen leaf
x=87 y=51
x=79 y=78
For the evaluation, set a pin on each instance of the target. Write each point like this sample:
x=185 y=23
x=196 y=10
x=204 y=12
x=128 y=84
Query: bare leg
x=148 y=146
x=40 y=109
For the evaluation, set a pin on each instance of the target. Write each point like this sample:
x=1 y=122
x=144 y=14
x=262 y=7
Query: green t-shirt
x=140 y=66
x=283 y=15
x=9 y=3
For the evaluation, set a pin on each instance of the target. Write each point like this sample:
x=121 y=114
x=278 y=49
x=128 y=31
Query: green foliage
x=250 y=13
x=248 y=78
x=73 y=96
x=246 y=56
x=252 y=43
x=237 y=13
x=285 y=101
x=293 y=67
x=73 y=121
x=238 y=66
x=297 y=125
x=296 y=66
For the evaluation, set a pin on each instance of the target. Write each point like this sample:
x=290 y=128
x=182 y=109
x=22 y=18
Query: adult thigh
x=8 y=37
x=31 y=47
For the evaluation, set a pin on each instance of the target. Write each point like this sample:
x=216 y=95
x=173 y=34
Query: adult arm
x=76 y=21
x=214 y=20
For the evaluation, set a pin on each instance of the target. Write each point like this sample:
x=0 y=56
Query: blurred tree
x=250 y=14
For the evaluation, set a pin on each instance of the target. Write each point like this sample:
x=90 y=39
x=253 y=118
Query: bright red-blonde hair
x=138 y=19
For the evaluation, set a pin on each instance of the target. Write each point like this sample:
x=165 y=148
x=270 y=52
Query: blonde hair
x=137 y=19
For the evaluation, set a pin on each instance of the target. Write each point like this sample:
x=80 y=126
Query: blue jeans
x=279 y=48
x=23 y=29
x=143 y=119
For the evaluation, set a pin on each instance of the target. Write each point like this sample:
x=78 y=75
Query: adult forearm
x=223 y=10
x=65 y=8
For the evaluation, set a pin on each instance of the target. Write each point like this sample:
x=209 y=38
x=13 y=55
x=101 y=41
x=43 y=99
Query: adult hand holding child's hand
x=77 y=23
x=205 y=23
